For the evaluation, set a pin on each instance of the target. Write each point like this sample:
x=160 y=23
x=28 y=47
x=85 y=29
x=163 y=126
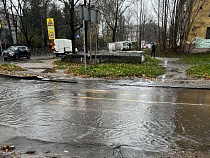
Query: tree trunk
x=8 y=20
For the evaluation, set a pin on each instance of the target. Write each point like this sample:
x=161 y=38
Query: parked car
x=16 y=52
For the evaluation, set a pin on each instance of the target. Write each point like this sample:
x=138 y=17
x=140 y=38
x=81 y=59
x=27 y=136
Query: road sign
x=51 y=35
x=89 y=14
x=51 y=28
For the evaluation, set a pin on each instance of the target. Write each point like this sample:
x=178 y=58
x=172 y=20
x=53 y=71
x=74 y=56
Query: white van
x=120 y=46
x=62 y=46
x=111 y=46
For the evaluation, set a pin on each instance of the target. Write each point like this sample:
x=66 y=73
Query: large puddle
x=141 y=118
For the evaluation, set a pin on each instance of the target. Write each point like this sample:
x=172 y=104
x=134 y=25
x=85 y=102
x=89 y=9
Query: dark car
x=16 y=52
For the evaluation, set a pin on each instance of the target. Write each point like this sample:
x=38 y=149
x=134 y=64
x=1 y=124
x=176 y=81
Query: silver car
x=16 y=52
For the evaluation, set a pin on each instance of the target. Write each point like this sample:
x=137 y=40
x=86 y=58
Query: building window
x=208 y=33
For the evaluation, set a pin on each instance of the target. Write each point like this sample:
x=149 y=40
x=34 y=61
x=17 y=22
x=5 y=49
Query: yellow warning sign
x=50 y=22
x=51 y=28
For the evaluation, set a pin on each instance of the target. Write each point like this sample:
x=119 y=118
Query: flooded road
x=132 y=118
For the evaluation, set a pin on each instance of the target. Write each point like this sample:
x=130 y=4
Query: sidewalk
x=42 y=68
x=174 y=77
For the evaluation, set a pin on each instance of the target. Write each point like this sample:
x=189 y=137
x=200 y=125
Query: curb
x=35 y=77
x=195 y=85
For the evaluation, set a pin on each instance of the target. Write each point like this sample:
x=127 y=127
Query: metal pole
x=42 y=27
x=86 y=30
x=84 y=44
x=96 y=42
x=1 y=51
x=42 y=31
x=137 y=34
x=0 y=40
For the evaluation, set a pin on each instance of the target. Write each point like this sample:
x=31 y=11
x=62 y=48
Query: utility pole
x=86 y=30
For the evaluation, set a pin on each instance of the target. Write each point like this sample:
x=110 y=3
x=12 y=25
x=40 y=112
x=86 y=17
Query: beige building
x=200 y=21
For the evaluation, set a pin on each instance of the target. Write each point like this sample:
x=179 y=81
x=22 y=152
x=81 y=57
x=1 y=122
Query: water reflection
x=153 y=119
x=192 y=119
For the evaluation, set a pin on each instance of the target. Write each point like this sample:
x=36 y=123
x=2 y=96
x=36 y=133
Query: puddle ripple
x=143 y=118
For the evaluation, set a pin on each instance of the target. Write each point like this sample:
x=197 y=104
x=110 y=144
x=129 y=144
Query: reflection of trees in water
x=95 y=119
x=192 y=118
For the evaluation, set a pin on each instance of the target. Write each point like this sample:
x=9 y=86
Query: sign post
x=84 y=44
x=0 y=40
x=87 y=14
x=51 y=30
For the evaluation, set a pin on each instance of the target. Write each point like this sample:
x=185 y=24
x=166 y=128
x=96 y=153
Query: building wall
x=201 y=22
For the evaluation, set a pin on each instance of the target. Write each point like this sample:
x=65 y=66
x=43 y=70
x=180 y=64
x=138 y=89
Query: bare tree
x=194 y=8
x=6 y=8
x=72 y=20
x=183 y=16
x=175 y=20
x=112 y=11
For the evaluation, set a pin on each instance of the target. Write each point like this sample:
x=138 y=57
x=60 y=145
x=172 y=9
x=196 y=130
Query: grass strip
x=148 y=69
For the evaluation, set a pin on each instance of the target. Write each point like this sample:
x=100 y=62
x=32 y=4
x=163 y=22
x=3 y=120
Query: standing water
x=135 y=118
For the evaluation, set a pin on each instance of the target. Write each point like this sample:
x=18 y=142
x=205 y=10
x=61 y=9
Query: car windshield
x=13 y=48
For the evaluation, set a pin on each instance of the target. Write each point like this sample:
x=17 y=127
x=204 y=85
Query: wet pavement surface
x=174 y=77
x=105 y=118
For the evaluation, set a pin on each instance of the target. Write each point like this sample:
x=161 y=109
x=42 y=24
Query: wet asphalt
x=174 y=77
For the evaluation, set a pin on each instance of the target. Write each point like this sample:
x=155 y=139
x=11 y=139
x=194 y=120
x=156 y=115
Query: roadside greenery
x=147 y=69
x=200 y=62
x=196 y=59
x=150 y=68
x=200 y=65
x=199 y=71
x=10 y=68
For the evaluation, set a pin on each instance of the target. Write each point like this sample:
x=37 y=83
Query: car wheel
x=16 y=56
x=57 y=55
x=4 y=58
x=28 y=56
